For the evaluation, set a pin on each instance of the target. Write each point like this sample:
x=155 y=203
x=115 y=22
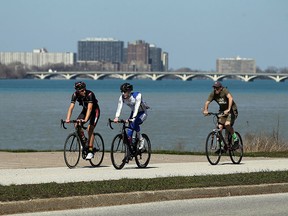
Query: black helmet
x=79 y=85
x=126 y=87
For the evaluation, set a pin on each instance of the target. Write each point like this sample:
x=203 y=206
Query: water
x=31 y=111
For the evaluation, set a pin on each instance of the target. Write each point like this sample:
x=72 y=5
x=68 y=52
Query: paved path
x=107 y=172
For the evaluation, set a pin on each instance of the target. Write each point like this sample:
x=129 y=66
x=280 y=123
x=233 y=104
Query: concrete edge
x=101 y=200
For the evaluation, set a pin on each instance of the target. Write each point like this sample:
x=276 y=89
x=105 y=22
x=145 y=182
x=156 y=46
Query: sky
x=193 y=32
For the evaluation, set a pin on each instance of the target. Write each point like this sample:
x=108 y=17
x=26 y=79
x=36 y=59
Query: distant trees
x=12 y=71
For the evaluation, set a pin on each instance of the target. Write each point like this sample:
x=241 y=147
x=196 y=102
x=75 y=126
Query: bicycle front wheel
x=143 y=156
x=72 y=150
x=213 y=148
x=236 y=154
x=118 y=152
x=98 y=150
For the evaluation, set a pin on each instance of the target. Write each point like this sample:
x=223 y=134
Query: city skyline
x=194 y=33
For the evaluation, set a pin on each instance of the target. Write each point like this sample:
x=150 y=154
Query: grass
x=53 y=190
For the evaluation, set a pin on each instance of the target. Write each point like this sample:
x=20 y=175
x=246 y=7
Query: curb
x=101 y=200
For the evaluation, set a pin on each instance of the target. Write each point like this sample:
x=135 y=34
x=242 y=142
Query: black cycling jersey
x=83 y=101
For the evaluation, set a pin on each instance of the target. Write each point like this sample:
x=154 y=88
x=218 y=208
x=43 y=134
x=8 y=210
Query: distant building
x=236 y=65
x=38 y=58
x=101 y=50
x=155 y=58
x=138 y=56
x=165 y=62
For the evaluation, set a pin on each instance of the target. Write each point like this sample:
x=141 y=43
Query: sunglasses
x=217 y=88
x=81 y=90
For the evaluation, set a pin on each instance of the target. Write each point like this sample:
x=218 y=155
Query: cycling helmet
x=126 y=87
x=79 y=85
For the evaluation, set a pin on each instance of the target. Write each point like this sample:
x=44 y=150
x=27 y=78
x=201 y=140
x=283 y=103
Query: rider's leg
x=94 y=117
x=90 y=136
x=141 y=117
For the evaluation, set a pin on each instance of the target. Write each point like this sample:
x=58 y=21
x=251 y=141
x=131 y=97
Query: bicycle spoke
x=98 y=150
x=72 y=151
x=143 y=156
x=213 y=149
x=118 y=152
x=237 y=153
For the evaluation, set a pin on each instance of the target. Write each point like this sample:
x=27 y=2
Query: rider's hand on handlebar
x=131 y=120
x=67 y=121
x=115 y=120
x=205 y=112
x=226 y=112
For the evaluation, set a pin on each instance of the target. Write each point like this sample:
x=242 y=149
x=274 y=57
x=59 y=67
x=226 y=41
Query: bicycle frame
x=131 y=148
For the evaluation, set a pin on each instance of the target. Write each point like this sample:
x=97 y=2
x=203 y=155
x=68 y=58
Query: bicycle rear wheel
x=72 y=150
x=118 y=152
x=98 y=150
x=143 y=156
x=236 y=154
x=213 y=148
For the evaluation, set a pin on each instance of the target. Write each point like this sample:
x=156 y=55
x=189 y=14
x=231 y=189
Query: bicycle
x=122 y=151
x=216 y=144
x=74 y=146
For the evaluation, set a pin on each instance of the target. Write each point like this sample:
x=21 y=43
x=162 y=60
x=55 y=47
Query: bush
x=263 y=142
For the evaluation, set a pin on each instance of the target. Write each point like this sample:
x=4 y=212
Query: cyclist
x=90 y=112
x=138 y=111
x=227 y=105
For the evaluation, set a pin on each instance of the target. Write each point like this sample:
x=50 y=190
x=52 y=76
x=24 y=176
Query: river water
x=31 y=111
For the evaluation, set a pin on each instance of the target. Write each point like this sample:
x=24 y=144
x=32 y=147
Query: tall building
x=101 y=50
x=165 y=61
x=236 y=65
x=155 y=58
x=138 y=56
x=38 y=58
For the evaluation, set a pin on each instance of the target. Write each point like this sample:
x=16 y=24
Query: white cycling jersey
x=135 y=102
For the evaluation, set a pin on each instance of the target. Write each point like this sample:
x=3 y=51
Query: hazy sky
x=194 y=33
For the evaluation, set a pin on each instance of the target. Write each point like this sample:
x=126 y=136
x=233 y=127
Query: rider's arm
x=206 y=106
x=230 y=102
x=69 y=113
x=119 y=108
x=137 y=105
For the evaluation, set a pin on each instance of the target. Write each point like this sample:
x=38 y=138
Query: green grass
x=53 y=190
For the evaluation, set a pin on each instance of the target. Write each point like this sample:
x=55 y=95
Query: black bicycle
x=122 y=151
x=74 y=146
x=216 y=144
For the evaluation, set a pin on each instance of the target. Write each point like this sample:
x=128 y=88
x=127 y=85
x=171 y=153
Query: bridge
x=185 y=76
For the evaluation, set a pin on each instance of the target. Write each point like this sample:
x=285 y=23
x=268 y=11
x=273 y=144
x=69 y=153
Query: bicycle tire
x=72 y=150
x=98 y=150
x=236 y=155
x=213 y=148
x=118 y=152
x=143 y=156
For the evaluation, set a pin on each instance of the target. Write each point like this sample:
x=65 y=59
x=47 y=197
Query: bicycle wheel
x=72 y=150
x=118 y=152
x=237 y=153
x=98 y=150
x=143 y=156
x=213 y=149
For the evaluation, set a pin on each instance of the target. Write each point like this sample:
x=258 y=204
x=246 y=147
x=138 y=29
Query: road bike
x=216 y=144
x=122 y=151
x=75 y=146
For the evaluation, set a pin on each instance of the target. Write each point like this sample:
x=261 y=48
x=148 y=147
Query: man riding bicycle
x=90 y=111
x=138 y=111
x=227 y=105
